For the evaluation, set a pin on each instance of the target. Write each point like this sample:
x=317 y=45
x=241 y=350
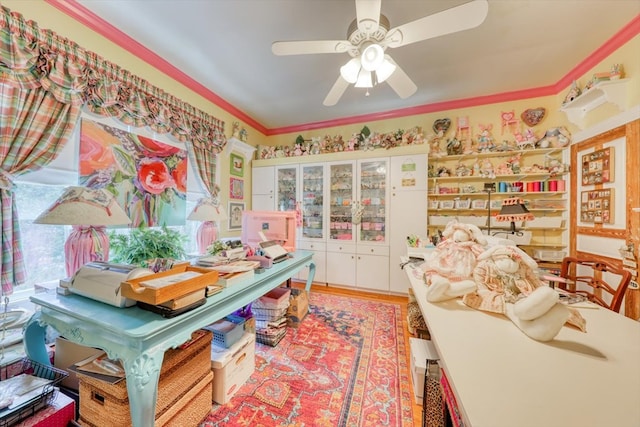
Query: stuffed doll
x=507 y=283
x=448 y=271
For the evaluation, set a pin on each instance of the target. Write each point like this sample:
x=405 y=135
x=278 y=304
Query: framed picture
x=597 y=167
x=597 y=206
x=235 y=215
x=236 y=167
x=236 y=188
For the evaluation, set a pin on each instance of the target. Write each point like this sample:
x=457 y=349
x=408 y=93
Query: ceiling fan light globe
x=385 y=70
x=372 y=57
x=350 y=70
x=364 y=79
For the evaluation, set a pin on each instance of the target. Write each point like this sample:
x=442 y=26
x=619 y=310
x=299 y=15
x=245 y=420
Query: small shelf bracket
x=613 y=91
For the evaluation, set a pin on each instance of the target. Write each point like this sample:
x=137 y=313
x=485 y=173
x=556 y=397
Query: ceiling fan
x=369 y=35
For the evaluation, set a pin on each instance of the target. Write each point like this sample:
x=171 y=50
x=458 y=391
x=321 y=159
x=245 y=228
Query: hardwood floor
x=402 y=300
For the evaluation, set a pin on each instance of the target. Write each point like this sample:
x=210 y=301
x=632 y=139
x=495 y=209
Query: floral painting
x=236 y=188
x=148 y=178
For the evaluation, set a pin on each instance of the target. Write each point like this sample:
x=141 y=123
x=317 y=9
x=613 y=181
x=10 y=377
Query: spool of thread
x=536 y=186
x=544 y=186
x=561 y=185
x=502 y=187
x=553 y=185
x=529 y=187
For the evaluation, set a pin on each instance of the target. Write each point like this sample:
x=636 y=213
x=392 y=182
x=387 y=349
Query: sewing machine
x=101 y=281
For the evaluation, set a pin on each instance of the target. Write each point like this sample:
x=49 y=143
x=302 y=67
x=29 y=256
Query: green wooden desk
x=138 y=337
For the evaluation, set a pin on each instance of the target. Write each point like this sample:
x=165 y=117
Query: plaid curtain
x=45 y=80
x=39 y=107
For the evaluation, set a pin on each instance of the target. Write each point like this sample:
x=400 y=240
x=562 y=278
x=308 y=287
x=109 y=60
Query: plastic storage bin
x=232 y=367
x=227 y=331
x=421 y=350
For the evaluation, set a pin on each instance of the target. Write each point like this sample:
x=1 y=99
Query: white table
x=502 y=378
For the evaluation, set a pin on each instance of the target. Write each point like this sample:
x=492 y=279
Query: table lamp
x=209 y=211
x=513 y=210
x=88 y=210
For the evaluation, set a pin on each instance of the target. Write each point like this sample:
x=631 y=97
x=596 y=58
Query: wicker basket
x=189 y=410
x=103 y=404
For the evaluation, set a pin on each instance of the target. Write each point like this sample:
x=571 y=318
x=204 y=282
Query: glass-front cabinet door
x=372 y=201
x=341 y=196
x=312 y=201
x=287 y=187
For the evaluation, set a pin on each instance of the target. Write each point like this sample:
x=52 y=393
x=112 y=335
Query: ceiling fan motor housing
x=357 y=37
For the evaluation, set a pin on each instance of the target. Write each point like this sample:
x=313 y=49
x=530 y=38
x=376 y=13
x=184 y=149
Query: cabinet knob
x=371 y=250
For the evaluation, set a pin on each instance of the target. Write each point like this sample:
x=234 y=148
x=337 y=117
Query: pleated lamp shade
x=88 y=210
x=209 y=211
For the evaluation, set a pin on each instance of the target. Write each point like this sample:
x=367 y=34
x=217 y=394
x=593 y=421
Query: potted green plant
x=144 y=245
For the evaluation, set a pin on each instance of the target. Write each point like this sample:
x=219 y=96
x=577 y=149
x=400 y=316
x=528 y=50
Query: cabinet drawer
x=373 y=250
x=341 y=247
x=312 y=246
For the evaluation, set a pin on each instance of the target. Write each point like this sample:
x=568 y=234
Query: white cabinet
x=358 y=247
x=407 y=212
x=319 y=250
x=372 y=267
x=287 y=185
x=312 y=235
x=357 y=210
x=263 y=188
x=341 y=263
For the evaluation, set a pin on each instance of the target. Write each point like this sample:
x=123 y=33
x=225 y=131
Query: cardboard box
x=232 y=367
x=298 y=307
x=68 y=353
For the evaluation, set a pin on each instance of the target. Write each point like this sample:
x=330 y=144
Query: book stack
x=229 y=273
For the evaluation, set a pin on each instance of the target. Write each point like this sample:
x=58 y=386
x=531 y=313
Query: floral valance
x=32 y=57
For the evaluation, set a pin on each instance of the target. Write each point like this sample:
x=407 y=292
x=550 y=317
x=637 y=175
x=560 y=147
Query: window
x=43 y=245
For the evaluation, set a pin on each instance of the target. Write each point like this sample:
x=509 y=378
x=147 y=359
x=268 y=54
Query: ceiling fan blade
x=311 y=46
x=463 y=17
x=336 y=92
x=400 y=82
x=368 y=15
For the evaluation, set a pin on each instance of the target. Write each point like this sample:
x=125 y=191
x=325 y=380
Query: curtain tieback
x=6 y=181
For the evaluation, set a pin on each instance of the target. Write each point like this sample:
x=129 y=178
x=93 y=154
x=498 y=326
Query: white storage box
x=232 y=367
x=421 y=350
x=480 y=221
x=545 y=222
x=548 y=255
x=441 y=219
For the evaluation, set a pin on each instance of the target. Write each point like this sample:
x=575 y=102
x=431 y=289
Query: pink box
x=59 y=413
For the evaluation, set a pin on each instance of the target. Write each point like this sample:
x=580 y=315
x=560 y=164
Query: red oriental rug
x=344 y=366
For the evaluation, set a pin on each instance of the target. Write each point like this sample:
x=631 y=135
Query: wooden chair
x=590 y=272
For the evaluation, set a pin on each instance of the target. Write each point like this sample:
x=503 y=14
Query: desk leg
x=34 y=341
x=310 y=277
x=143 y=373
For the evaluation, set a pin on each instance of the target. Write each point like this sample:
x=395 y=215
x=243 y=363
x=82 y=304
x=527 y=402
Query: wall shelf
x=612 y=91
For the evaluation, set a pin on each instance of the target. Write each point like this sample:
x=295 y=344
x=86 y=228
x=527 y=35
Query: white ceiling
x=226 y=46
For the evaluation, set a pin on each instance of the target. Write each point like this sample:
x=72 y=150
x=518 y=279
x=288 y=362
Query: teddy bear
x=507 y=283
x=449 y=268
